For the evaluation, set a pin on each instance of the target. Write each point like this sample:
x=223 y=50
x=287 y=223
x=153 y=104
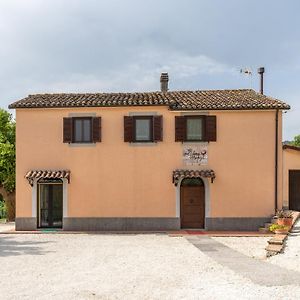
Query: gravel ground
x=250 y=246
x=10 y=226
x=89 y=266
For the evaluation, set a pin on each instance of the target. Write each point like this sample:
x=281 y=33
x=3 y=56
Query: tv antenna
x=247 y=72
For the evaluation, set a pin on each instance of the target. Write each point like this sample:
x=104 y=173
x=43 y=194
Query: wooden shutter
x=128 y=129
x=211 y=128
x=180 y=129
x=67 y=130
x=157 y=128
x=96 y=129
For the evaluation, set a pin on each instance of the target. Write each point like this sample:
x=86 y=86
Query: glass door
x=50 y=204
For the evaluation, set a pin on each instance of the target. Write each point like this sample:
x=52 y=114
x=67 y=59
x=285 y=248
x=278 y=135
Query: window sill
x=195 y=142
x=82 y=145
x=143 y=144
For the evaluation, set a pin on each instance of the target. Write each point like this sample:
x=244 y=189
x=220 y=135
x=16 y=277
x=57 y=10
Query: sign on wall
x=195 y=155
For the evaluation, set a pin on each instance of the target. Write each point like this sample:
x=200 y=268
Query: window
x=82 y=130
x=194 y=129
x=143 y=129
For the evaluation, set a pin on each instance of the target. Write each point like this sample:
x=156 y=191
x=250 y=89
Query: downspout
x=276 y=161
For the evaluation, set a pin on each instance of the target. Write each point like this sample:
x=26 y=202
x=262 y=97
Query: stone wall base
x=236 y=224
x=120 y=224
x=26 y=224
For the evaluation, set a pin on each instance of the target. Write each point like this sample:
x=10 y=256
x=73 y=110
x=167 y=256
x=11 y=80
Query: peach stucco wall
x=116 y=179
x=291 y=161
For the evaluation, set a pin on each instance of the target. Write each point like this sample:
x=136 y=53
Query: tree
x=8 y=161
x=296 y=141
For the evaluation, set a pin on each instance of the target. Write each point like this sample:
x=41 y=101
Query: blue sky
x=123 y=45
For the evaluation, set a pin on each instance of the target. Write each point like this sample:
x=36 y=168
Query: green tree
x=296 y=141
x=7 y=161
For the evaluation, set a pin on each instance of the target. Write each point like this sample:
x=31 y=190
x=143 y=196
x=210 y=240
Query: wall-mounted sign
x=195 y=155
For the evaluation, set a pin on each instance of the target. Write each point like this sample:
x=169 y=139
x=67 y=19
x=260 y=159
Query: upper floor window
x=82 y=130
x=142 y=129
x=195 y=128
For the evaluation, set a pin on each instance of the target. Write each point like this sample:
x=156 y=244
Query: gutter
x=276 y=160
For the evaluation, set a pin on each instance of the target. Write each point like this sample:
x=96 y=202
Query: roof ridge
x=139 y=92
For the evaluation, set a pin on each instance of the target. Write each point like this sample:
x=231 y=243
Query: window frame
x=202 y=118
x=74 y=130
x=151 y=129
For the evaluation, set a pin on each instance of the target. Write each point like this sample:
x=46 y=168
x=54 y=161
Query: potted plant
x=284 y=217
x=279 y=229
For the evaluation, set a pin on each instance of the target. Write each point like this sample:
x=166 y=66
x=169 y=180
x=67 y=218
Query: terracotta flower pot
x=285 y=221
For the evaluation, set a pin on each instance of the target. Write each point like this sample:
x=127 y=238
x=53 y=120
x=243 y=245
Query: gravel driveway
x=144 y=266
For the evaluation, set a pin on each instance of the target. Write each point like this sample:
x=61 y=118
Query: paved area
x=141 y=266
x=257 y=271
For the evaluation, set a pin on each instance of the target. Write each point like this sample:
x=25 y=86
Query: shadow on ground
x=9 y=246
x=295 y=231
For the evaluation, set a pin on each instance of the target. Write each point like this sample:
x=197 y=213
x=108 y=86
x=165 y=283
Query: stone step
x=275 y=241
x=274 y=248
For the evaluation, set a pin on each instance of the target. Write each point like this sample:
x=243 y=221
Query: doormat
x=49 y=230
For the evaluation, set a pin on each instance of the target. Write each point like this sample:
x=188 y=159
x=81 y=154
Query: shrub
x=274 y=227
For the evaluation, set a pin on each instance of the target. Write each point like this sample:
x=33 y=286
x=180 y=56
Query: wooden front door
x=192 y=203
x=294 y=190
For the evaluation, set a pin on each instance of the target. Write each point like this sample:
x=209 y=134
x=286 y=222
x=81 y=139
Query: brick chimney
x=164 y=80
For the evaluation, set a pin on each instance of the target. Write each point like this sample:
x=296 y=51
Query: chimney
x=261 y=72
x=164 y=80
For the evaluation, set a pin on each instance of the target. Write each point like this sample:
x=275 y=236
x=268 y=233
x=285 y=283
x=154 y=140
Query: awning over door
x=47 y=174
x=181 y=174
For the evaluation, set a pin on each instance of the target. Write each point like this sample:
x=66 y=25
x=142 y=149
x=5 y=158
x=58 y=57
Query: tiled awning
x=47 y=174
x=181 y=174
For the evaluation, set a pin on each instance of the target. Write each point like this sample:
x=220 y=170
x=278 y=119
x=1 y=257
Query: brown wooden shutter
x=180 y=129
x=211 y=128
x=157 y=128
x=128 y=129
x=96 y=129
x=67 y=130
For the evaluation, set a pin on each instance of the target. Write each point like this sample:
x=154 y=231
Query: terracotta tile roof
x=47 y=174
x=291 y=147
x=181 y=174
x=176 y=100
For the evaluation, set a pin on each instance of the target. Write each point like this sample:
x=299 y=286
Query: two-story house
x=148 y=161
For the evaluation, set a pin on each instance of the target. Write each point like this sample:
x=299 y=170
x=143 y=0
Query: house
x=291 y=177
x=148 y=161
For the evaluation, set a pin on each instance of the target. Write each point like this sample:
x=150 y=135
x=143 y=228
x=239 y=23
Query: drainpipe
x=276 y=160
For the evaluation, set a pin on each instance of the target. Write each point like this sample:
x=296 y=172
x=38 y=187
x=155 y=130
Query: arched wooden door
x=192 y=203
